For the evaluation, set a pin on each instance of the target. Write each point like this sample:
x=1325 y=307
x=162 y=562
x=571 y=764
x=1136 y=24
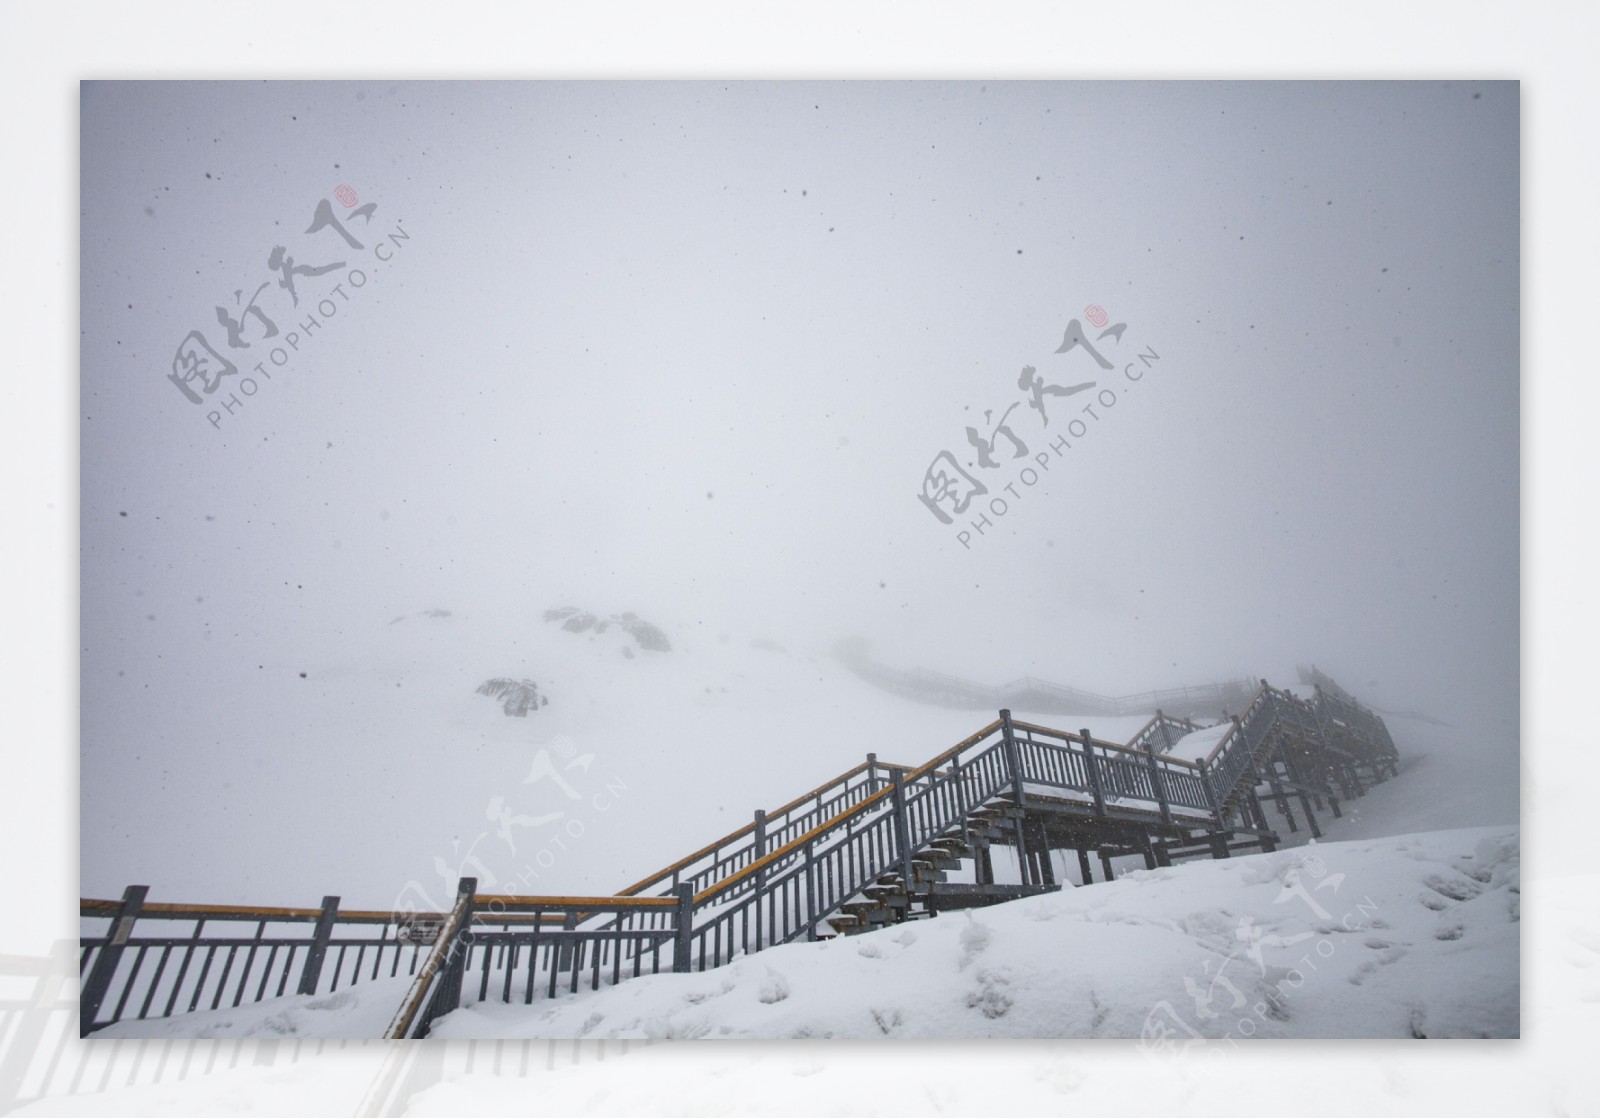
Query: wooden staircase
x=876 y=845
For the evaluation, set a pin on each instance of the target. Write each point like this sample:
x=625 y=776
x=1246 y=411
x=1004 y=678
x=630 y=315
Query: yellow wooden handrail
x=514 y=901
x=861 y=806
x=739 y=833
x=400 y=1024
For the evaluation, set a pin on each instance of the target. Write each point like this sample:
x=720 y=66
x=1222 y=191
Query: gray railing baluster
x=105 y=964
x=902 y=826
x=683 y=930
x=1157 y=784
x=1091 y=769
x=319 y=945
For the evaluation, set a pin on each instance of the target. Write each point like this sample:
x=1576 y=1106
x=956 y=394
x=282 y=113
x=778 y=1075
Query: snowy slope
x=1084 y=962
x=381 y=775
x=1412 y=936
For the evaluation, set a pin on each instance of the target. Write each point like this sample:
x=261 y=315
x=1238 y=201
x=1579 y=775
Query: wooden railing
x=1161 y=733
x=1105 y=773
x=770 y=882
x=158 y=958
x=767 y=831
x=1330 y=718
x=529 y=945
x=793 y=888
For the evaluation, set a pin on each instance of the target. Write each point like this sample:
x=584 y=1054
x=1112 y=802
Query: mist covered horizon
x=688 y=349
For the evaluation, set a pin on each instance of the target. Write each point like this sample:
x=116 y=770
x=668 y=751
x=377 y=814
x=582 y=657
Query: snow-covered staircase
x=876 y=845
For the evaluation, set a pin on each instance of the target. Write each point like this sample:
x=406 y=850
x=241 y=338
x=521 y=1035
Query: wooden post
x=105 y=964
x=1305 y=802
x=811 y=890
x=567 y=951
x=683 y=929
x=312 y=972
x=1259 y=813
x=1092 y=770
x=872 y=773
x=1211 y=793
x=902 y=827
x=759 y=880
x=1300 y=789
x=1013 y=755
x=1014 y=762
x=1085 y=876
x=1219 y=837
x=1158 y=782
x=447 y=995
x=1105 y=865
x=1355 y=779
x=1283 y=802
x=1041 y=855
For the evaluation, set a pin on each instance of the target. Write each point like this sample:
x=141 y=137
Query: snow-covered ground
x=1409 y=936
x=590 y=793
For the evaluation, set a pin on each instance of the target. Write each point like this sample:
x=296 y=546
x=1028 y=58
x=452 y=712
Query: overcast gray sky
x=693 y=345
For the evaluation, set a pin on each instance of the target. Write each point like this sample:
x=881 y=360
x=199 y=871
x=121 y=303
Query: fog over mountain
x=684 y=353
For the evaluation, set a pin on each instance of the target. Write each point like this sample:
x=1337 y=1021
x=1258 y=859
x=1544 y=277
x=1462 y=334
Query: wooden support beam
x=1258 y=813
x=1092 y=769
x=457 y=946
x=98 y=982
x=902 y=826
x=311 y=972
x=1014 y=764
x=1158 y=782
x=1355 y=779
x=1046 y=866
x=1282 y=800
x=683 y=927
x=1311 y=821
